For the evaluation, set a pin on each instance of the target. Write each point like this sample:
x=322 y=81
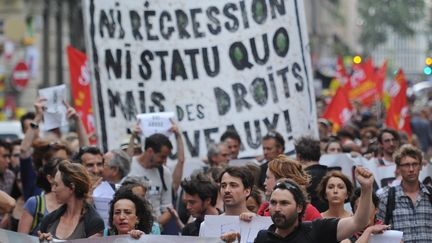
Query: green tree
x=382 y=16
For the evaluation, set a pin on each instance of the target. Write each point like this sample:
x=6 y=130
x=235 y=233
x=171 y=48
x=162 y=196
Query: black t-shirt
x=193 y=228
x=317 y=231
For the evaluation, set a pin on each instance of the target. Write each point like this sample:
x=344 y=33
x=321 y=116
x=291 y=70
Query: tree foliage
x=380 y=17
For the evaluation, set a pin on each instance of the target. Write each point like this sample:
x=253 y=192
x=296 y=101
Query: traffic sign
x=20 y=76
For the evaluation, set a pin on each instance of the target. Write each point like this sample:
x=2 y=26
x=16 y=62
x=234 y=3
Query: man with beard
x=288 y=204
x=200 y=195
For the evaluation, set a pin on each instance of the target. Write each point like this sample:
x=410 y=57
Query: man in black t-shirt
x=200 y=195
x=288 y=204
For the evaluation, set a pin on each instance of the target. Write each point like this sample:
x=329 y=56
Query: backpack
x=391 y=203
x=161 y=175
x=39 y=212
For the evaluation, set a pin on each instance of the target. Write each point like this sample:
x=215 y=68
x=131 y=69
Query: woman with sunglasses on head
x=75 y=219
x=284 y=167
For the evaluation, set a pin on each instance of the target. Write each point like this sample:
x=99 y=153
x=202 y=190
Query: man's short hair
x=280 y=141
x=120 y=160
x=308 y=148
x=5 y=145
x=202 y=186
x=298 y=193
x=407 y=150
x=388 y=130
x=157 y=141
x=87 y=150
x=240 y=172
x=230 y=133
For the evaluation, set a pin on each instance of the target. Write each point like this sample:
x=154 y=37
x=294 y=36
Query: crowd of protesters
x=49 y=184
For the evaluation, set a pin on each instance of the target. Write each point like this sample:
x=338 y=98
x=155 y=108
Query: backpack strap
x=381 y=162
x=161 y=175
x=429 y=188
x=390 y=205
x=39 y=212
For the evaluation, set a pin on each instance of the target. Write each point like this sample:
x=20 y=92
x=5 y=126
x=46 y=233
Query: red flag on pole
x=80 y=86
x=380 y=78
x=398 y=113
x=361 y=85
x=339 y=110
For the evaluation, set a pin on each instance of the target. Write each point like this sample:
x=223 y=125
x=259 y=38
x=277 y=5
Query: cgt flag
x=362 y=86
x=339 y=110
x=80 y=87
x=398 y=114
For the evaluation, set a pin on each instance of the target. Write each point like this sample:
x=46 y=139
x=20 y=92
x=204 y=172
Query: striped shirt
x=413 y=219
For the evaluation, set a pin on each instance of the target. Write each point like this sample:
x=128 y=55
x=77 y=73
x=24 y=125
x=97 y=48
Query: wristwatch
x=34 y=125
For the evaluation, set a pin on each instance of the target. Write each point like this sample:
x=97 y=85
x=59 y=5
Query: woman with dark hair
x=336 y=189
x=130 y=214
x=75 y=219
x=37 y=207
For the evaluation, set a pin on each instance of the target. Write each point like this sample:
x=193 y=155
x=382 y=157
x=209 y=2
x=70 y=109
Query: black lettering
x=192 y=55
x=177 y=67
x=253 y=144
x=207 y=135
x=142 y=101
x=145 y=69
x=182 y=22
x=259 y=91
x=149 y=26
x=259 y=11
x=200 y=113
x=161 y=55
x=157 y=99
x=216 y=69
x=193 y=148
x=189 y=113
x=180 y=113
x=165 y=34
x=115 y=65
x=128 y=109
x=228 y=13
x=119 y=20
x=215 y=29
x=273 y=86
x=195 y=23
x=287 y=121
x=279 y=6
x=128 y=63
x=239 y=97
x=239 y=56
x=244 y=14
x=296 y=69
x=135 y=20
x=105 y=23
x=260 y=60
x=281 y=42
x=223 y=101
x=271 y=126
x=283 y=73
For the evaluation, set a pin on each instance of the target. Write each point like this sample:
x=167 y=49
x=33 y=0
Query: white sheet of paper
x=242 y=162
x=102 y=196
x=342 y=161
x=216 y=225
x=151 y=123
x=55 y=113
x=389 y=236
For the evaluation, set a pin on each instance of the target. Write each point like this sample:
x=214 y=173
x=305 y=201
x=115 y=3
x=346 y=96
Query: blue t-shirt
x=30 y=207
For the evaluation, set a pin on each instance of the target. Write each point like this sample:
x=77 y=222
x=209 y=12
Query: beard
x=283 y=221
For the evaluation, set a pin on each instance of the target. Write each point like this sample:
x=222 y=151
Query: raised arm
x=136 y=132
x=348 y=226
x=32 y=133
x=80 y=128
x=178 y=170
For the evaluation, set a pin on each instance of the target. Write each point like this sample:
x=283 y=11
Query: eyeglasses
x=408 y=165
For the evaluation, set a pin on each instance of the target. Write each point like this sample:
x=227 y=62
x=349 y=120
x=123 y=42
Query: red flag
x=398 y=114
x=361 y=85
x=341 y=73
x=380 y=78
x=339 y=110
x=80 y=86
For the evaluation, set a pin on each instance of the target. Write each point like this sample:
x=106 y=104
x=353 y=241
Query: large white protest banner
x=217 y=64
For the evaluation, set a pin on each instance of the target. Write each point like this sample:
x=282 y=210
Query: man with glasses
x=273 y=144
x=407 y=207
x=288 y=203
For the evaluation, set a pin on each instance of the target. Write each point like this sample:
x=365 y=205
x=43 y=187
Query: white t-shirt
x=159 y=198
